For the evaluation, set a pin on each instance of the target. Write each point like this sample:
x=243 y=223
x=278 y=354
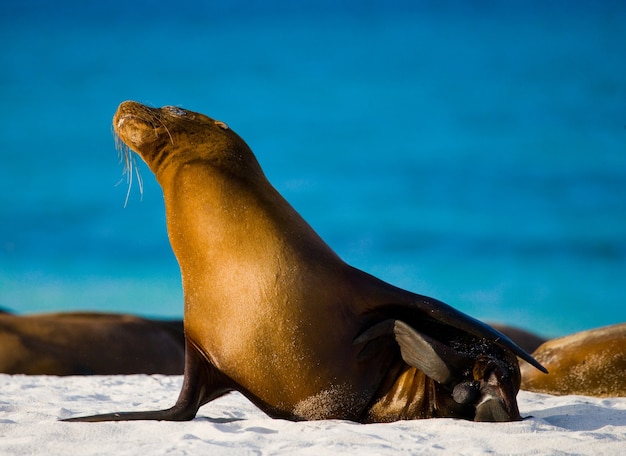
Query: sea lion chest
x=263 y=297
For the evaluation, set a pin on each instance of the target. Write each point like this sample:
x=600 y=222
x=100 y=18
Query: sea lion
x=591 y=363
x=86 y=343
x=271 y=311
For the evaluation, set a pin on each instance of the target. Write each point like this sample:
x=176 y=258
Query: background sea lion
x=89 y=343
x=591 y=363
x=527 y=340
x=271 y=311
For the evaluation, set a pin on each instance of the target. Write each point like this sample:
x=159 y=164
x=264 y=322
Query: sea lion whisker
x=139 y=179
x=131 y=169
x=127 y=156
x=129 y=175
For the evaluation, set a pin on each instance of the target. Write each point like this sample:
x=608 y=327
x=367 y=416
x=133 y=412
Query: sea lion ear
x=435 y=359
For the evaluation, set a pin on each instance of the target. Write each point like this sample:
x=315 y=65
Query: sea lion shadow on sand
x=587 y=417
x=272 y=312
x=222 y=420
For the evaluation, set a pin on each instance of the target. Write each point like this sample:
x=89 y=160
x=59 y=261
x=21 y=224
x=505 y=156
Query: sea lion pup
x=590 y=363
x=89 y=343
x=271 y=311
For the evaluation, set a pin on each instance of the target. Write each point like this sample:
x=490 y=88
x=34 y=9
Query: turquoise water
x=475 y=152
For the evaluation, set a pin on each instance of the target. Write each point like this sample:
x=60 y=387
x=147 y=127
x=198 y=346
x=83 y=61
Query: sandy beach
x=30 y=407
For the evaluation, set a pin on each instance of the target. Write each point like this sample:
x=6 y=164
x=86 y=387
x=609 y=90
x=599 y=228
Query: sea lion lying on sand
x=591 y=363
x=89 y=343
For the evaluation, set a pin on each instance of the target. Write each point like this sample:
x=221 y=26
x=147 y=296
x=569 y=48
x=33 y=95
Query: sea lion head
x=499 y=381
x=482 y=388
x=172 y=135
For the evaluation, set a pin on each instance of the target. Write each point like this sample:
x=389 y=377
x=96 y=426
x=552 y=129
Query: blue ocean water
x=471 y=151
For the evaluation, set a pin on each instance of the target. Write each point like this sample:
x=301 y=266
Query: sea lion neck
x=207 y=207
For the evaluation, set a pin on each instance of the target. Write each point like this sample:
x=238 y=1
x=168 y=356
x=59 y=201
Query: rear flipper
x=487 y=381
x=201 y=384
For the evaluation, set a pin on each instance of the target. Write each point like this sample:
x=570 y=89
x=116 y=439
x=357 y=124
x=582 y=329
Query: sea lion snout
x=128 y=129
x=131 y=123
x=143 y=129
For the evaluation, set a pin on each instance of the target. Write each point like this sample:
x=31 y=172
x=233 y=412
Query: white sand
x=31 y=406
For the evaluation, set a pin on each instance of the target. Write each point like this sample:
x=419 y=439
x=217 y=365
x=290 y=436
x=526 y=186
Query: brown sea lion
x=271 y=311
x=591 y=363
x=89 y=343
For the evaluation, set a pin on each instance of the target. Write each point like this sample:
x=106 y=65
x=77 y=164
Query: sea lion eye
x=221 y=124
x=176 y=111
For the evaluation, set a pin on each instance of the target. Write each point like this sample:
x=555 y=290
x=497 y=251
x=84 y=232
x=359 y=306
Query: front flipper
x=200 y=385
